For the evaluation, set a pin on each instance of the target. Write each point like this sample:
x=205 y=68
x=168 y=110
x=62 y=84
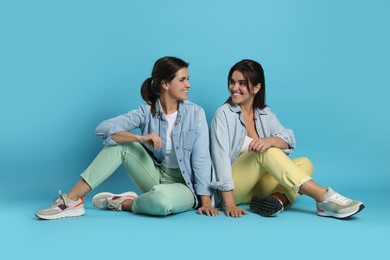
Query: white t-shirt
x=170 y=157
x=246 y=143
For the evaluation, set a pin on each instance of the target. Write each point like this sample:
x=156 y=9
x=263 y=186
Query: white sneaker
x=62 y=208
x=337 y=206
x=107 y=200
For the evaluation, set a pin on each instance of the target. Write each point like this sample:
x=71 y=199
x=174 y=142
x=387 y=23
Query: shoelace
x=339 y=198
x=114 y=205
x=59 y=200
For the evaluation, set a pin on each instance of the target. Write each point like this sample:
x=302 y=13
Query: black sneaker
x=266 y=207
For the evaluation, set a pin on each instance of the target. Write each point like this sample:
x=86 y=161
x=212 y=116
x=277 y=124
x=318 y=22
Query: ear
x=164 y=85
x=256 y=88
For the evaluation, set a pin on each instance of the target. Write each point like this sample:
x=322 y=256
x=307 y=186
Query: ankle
x=281 y=197
x=127 y=205
x=73 y=197
x=321 y=197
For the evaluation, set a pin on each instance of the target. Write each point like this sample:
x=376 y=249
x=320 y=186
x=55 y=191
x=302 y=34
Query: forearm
x=205 y=200
x=228 y=198
x=125 y=137
x=278 y=142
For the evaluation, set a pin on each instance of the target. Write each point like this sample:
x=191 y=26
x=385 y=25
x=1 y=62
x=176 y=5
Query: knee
x=273 y=152
x=158 y=202
x=307 y=165
x=129 y=146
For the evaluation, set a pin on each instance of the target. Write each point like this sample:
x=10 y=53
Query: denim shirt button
x=177 y=147
x=180 y=160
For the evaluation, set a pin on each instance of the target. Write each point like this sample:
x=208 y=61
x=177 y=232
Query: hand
x=151 y=139
x=208 y=210
x=260 y=145
x=234 y=211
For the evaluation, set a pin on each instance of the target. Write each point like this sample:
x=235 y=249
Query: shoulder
x=192 y=107
x=144 y=108
x=265 y=111
x=143 y=111
x=225 y=109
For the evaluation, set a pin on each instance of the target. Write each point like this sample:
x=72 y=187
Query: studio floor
x=297 y=232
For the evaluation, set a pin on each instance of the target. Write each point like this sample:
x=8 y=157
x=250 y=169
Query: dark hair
x=164 y=69
x=253 y=72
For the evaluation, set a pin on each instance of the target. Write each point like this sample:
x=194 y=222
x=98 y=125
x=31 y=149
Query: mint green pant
x=164 y=189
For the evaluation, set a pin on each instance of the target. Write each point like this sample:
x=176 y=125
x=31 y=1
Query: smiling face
x=242 y=92
x=177 y=88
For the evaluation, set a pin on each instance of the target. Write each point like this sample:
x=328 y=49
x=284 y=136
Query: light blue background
x=67 y=65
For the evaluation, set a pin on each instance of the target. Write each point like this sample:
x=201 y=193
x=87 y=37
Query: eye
x=231 y=82
x=242 y=83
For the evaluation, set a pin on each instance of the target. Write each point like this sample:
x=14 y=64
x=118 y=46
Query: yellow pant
x=269 y=172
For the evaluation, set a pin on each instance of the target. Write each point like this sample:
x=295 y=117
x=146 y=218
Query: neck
x=169 y=106
x=246 y=110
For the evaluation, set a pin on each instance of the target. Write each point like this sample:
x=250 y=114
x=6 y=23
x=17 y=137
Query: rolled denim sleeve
x=278 y=130
x=201 y=160
x=220 y=154
x=127 y=122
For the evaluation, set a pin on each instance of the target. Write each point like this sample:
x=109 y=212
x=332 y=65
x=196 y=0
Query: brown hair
x=253 y=72
x=164 y=69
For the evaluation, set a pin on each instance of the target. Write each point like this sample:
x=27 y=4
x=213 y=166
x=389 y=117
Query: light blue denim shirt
x=227 y=136
x=190 y=139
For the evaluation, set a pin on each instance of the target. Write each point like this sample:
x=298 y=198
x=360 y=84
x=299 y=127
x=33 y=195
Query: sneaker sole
x=341 y=216
x=63 y=214
x=266 y=207
x=97 y=204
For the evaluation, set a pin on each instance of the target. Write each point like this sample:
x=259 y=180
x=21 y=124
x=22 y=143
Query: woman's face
x=241 y=91
x=177 y=88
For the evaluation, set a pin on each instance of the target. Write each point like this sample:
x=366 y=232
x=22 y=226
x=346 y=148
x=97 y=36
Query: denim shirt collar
x=236 y=108
x=160 y=111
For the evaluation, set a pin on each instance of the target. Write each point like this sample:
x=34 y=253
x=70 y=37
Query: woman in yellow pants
x=250 y=148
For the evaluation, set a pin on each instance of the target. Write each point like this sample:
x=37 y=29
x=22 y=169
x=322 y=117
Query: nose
x=233 y=86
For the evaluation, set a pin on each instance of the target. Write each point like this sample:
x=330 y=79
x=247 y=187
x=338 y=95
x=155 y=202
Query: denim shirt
x=190 y=139
x=227 y=136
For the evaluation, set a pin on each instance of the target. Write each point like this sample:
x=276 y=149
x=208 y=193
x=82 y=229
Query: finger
x=200 y=211
x=228 y=213
x=158 y=142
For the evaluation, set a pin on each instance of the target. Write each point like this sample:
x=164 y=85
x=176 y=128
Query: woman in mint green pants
x=169 y=161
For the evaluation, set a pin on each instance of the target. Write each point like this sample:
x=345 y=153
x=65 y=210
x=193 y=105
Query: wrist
x=205 y=200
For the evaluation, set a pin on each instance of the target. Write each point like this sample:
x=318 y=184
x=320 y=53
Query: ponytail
x=150 y=93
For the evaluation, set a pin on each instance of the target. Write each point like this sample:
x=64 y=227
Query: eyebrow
x=240 y=80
